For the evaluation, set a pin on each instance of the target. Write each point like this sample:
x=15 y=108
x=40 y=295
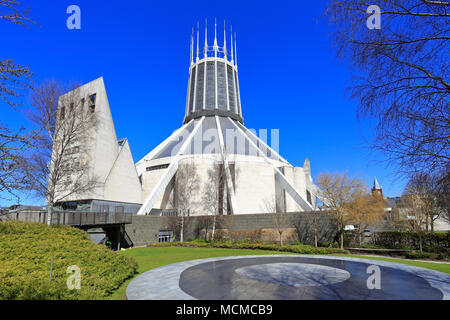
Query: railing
x=91 y=218
x=72 y=218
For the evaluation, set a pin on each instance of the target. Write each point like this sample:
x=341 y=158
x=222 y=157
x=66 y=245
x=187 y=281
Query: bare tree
x=279 y=218
x=365 y=210
x=11 y=10
x=337 y=191
x=443 y=193
x=414 y=214
x=13 y=76
x=13 y=169
x=422 y=188
x=215 y=196
x=186 y=186
x=403 y=76
x=313 y=222
x=13 y=81
x=61 y=164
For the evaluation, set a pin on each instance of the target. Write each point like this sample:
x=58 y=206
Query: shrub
x=421 y=255
x=411 y=239
x=325 y=244
x=243 y=235
x=377 y=246
x=26 y=250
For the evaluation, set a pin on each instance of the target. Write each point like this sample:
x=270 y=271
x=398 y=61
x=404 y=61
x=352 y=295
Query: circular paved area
x=287 y=277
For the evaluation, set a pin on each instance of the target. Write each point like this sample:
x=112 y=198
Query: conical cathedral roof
x=237 y=139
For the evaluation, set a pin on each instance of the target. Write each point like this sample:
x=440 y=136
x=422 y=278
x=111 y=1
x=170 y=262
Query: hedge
x=26 y=250
x=300 y=249
x=410 y=240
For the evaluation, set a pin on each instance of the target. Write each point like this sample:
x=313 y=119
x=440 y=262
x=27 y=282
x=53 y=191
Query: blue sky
x=289 y=77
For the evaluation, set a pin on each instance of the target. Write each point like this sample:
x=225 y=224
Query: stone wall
x=298 y=226
x=144 y=229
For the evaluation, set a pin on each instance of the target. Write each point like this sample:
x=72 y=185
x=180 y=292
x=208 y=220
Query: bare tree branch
x=401 y=76
x=10 y=10
x=13 y=81
x=61 y=165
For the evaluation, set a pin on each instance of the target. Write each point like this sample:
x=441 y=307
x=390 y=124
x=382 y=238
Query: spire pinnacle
x=206 y=38
x=307 y=167
x=235 y=50
x=198 y=49
x=216 y=47
x=192 y=46
x=215 y=32
x=232 y=50
x=225 y=40
x=376 y=185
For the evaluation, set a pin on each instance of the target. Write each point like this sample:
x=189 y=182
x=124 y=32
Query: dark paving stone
x=219 y=280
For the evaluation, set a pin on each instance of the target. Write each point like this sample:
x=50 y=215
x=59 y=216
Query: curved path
x=289 y=277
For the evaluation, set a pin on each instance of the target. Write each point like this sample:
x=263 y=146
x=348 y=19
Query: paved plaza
x=288 y=277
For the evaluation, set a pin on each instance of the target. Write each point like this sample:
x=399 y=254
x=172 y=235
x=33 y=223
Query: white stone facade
x=110 y=161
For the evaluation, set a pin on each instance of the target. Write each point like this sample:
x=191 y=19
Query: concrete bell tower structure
x=117 y=186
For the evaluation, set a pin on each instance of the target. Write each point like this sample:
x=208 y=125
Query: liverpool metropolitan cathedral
x=213 y=142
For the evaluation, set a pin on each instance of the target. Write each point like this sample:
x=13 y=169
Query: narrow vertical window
x=82 y=105
x=62 y=113
x=92 y=101
x=221 y=86
x=210 y=85
x=200 y=84
x=191 y=95
x=231 y=87
x=238 y=98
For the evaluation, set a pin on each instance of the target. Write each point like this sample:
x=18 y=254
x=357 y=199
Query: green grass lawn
x=150 y=258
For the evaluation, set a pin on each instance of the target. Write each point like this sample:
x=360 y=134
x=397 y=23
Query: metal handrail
x=77 y=218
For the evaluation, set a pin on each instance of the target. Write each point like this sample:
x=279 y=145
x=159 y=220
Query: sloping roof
x=376 y=185
x=206 y=140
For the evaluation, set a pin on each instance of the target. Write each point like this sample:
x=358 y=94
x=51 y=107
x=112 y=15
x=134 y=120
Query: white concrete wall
x=122 y=183
x=256 y=187
x=111 y=166
x=106 y=147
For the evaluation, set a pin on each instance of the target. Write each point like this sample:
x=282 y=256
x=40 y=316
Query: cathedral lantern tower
x=213 y=87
